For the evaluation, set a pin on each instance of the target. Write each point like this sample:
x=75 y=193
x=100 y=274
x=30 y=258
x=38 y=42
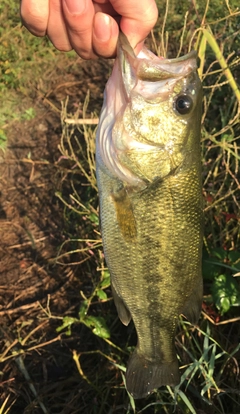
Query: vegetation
x=208 y=353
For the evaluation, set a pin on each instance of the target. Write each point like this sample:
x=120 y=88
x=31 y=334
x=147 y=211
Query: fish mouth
x=151 y=71
x=152 y=68
x=166 y=68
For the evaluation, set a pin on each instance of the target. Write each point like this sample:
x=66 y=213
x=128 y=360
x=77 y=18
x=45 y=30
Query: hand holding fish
x=90 y=27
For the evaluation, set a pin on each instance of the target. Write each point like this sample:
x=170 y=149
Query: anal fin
x=193 y=305
x=123 y=312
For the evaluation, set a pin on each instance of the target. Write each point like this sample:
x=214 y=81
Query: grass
x=208 y=353
x=23 y=61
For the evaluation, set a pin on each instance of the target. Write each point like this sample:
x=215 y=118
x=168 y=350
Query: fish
x=148 y=167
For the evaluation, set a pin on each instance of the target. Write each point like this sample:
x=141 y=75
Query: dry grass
x=66 y=352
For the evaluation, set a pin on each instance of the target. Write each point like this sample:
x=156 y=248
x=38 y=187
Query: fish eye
x=183 y=104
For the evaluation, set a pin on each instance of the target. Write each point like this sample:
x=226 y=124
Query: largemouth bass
x=149 y=180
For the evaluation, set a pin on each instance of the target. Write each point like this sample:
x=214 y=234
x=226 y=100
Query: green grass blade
x=207 y=33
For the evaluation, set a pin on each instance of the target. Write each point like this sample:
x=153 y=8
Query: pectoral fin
x=123 y=312
x=125 y=216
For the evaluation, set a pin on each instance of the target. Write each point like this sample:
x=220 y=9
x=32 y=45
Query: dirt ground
x=32 y=228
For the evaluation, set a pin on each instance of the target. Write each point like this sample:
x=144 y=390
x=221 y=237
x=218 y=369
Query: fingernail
x=102 y=27
x=76 y=6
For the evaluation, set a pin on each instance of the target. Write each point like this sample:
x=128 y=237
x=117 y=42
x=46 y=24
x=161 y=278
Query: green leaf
x=106 y=280
x=98 y=325
x=210 y=270
x=225 y=292
x=101 y=294
x=67 y=323
x=210 y=267
x=224 y=305
x=94 y=218
x=234 y=257
x=219 y=253
x=83 y=310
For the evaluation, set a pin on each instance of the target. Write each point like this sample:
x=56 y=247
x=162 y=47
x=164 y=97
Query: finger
x=138 y=18
x=56 y=29
x=34 y=15
x=79 y=16
x=105 y=35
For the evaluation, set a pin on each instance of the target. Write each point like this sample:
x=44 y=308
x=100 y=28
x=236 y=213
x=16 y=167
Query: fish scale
x=151 y=220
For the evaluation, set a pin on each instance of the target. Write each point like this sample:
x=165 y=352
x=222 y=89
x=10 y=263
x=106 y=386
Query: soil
x=33 y=286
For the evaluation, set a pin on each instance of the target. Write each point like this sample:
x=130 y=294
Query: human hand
x=90 y=27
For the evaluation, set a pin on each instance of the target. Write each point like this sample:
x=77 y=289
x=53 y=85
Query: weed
x=202 y=381
x=91 y=339
x=203 y=358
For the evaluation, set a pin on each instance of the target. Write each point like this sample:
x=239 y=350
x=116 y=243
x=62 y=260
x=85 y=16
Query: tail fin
x=144 y=376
